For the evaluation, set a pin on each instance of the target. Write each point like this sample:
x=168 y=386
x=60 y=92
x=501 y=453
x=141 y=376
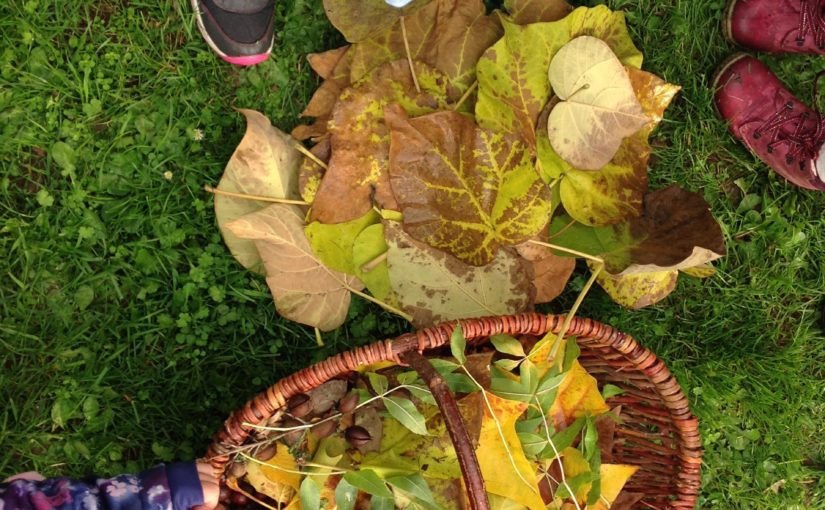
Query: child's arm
x=181 y=486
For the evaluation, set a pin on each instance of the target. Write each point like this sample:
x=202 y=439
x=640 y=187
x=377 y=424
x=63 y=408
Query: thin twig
x=409 y=55
x=306 y=152
x=572 y=313
x=318 y=338
x=287 y=470
x=372 y=264
x=563 y=229
x=556 y=453
x=466 y=95
x=386 y=306
x=259 y=198
x=587 y=256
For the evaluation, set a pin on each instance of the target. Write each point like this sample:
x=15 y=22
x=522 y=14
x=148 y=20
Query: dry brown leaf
x=599 y=107
x=525 y=12
x=357 y=174
x=368 y=18
x=305 y=290
x=325 y=97
x=324 y=64
x=265 y=163
x=606 y=429
x=550 y=272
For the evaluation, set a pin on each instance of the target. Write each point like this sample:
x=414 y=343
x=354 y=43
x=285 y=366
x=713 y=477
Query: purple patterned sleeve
x=173 y=487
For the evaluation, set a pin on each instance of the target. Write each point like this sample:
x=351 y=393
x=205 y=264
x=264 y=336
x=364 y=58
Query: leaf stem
x=587 y=256
x=292 y=471
x=372 y=264
x=306 y=152
x=215 y=191
x=386 y=306
x=466 y=95
x=572 y=313
x=557 y=454
x=409 y=55
x=318 y=338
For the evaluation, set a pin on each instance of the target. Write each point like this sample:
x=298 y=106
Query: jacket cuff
x=184 y=485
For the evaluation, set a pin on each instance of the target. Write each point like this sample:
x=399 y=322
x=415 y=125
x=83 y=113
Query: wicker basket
x=658 y=432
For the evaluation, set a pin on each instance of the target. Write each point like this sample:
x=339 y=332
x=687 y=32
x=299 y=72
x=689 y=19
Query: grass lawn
x=128 y=332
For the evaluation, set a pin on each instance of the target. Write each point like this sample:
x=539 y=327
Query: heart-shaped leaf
x=463 y=189
x=305 y=290
x=433 y=286
x=598 y=107
x=265 y=163
x=357 y=173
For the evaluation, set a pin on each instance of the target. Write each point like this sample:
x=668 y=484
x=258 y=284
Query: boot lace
x=812 y=20
x=804 y=143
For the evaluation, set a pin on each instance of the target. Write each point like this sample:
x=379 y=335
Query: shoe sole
x=723 y=67
x=246 y=60
x=727 y=21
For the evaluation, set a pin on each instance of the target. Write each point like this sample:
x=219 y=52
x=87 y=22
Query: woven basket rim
x=587 y=332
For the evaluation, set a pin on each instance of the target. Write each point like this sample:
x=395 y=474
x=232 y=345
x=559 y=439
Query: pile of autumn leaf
x=540 y=430
x=461 y=162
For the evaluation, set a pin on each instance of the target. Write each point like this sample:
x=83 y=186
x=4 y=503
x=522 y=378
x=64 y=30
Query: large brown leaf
x=449 y=35
x=464 y=189
x=305 y=290
x=550 y=272
x=525 y=12
x=323 y=100
x=433 y=286
x=357 y=173
x=358 y=21
x=265 y=163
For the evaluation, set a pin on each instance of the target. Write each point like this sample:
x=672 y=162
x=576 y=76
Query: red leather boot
x=777 y=26
x=782 y=131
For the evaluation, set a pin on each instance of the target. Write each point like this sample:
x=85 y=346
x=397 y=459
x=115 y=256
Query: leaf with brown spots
x=677 y=231
x=305 y=290
x=577 y=395
x=265 y=163
x=368 y=17
x=434 y=287
x=550 y=272
x=525 y=12
x=357 y=174
x=615 y=192
x=323 y=100
x=636 y=291
x=463 y=189
x=449 y=35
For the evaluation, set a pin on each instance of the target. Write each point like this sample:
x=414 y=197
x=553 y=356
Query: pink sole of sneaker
x=249 y=60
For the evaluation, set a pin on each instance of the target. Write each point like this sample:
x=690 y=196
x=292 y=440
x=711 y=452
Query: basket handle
x=467 y=460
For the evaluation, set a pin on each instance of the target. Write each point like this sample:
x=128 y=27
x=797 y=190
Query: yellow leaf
x=278 y=477
x=637 y=291
x=701 y=271
x=613 y=478
x=575 y=464
x=599 y=107
x=578 y=394
x=509 y=475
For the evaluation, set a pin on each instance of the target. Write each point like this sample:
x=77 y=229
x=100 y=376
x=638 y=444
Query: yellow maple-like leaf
x=578 y=394
x=613 y=478
x=509 y=475
x=278 y=477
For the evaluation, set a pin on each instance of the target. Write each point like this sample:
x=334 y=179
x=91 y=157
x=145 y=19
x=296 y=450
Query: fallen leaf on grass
x=636 y=291
x=369 y=18
x=505 y=469
x=333 y=244
x=463 y=189
x=525 y=12
x=513 y=83
x=325 y=63
x=323 y=100
x=434 y=287
x=357 y=173
x=598 y=107
x=305 y=290
x=265 y=163
x=449 y=35
x=676 y=231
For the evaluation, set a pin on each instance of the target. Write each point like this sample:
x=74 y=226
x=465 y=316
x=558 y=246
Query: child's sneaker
x=239 y=31
x=777 y=26
x=785 y=134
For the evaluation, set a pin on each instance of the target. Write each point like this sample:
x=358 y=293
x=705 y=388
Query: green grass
x=128 y=333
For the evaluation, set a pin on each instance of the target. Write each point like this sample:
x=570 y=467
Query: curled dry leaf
x=614 y=193
x=449 y=35
x=324 y=64
x=265 y=163
x=513 y=84
x=463 y=189
x=305 y=290
x=598 y=107
x=550 y=272
x=638 y=290
x=676 y=231
x=325 y=97
x=434 y=286
x=524 y=12
x=371 y=17
x=357 y=173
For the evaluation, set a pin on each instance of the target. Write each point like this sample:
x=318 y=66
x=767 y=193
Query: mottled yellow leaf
x=700 y=271
x=613 y=477
x=505 y=469
x=578 y=395
x=277 y=477
x=637 y=291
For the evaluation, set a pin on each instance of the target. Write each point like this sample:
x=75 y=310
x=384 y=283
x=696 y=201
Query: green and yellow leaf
x=639 y=290
x=333 y=244
x=369 y=258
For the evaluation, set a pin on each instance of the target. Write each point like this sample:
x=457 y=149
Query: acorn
x=324 y=429
x=292 y=437
x=348 y=403
x=237 y=469
x=299 y=405
x=357 y=436
x=239 y=499
x=266 y=453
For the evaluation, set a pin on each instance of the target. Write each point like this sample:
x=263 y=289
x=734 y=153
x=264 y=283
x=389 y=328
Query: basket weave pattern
x=658 y=432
